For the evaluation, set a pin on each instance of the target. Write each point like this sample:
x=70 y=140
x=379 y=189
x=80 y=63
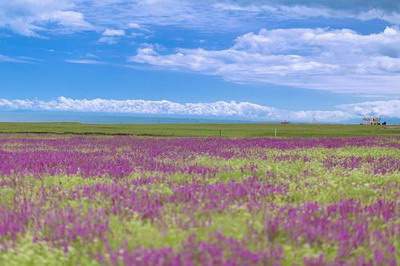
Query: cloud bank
x=230 y=14
x=30 y=17
x=388 y=11
x=325 y=59
x=232 y=109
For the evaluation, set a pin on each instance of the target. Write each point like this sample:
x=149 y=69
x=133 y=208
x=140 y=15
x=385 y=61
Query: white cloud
x=242 y=110
x=142 y=106
x=8 y=59
x=232 y=14
x=108 y=40
x=111 y=36
x=19 y=59
x=388 y=11
x=133 y=25
x=84 y=61
x=113 y=32
x=390 y=108
x=120 y=13
x=29 y=17
x=216 y=15
x=324 y=59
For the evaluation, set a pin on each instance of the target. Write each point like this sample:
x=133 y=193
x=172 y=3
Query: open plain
x=126 y=200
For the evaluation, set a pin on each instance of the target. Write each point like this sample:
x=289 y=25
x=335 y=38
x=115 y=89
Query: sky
x=264 y=60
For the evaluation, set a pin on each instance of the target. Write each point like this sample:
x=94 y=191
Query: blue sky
x=253 y=60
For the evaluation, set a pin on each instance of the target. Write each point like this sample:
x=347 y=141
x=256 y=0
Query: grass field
x=203 y=130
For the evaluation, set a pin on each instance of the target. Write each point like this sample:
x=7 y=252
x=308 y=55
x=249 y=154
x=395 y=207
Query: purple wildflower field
x=199 y=201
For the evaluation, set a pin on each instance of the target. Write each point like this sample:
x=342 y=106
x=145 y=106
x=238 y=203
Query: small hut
x=372 y=120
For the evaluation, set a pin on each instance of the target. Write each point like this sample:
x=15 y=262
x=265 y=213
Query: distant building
x=371 y=120
x=285 y=122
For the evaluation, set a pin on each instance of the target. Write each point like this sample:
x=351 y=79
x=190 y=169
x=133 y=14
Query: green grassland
x=202 y=130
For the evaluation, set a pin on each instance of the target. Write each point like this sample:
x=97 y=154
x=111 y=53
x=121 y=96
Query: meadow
x=128 y=200
x=202 y=130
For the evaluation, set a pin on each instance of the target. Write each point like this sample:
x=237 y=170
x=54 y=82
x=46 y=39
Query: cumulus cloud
x=28 y=17
x=221 y=108
x=324 y=59
x=111 y=36
x=390 y=108
x=242 y=110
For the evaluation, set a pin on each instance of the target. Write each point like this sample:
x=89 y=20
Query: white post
x=275 y=132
